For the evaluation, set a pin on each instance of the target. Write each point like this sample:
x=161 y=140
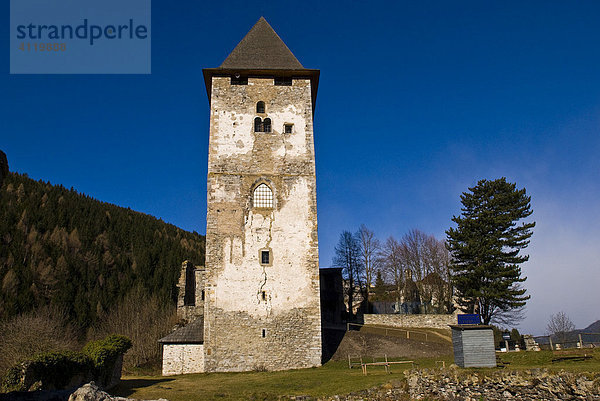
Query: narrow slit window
x=265 y=257
x=264 y=295
x=267 y=125
x=263 y=196
x=264 y=333
x=203 y=295
x=260 y=107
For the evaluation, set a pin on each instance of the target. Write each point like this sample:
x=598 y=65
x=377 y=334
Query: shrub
x=104 y=354
x=64 y=369
x=54 y=370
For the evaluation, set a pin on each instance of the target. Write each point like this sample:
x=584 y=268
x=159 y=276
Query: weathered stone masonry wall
x=399 y=320
x=239 y=160
x=180 y=359
x=290 y=341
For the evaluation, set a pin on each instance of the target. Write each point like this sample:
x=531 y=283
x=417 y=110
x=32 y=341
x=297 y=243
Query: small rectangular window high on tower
x=237 y=79
x=283 y=81
x=265 y=257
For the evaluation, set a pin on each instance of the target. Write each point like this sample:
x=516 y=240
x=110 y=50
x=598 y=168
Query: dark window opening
x=267 y=125
x=203 y=295
x=287 y=128
x=239 y=80
x=265 y=257
x=283 y=81
x=264 y=333
x=189 y=299
x=260 y=107
x=258 y=125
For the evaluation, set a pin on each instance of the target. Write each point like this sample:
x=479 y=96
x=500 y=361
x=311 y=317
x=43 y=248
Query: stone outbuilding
x=183 y=349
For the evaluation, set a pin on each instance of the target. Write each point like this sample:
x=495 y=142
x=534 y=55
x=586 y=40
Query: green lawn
x=330 y=379
x=543 y=359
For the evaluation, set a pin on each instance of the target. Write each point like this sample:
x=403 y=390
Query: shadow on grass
x=129 y=386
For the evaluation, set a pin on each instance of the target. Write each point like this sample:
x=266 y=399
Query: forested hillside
x=69 y=250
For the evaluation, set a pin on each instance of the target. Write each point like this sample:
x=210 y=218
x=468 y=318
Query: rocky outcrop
x=87 y=392
x=91 y=392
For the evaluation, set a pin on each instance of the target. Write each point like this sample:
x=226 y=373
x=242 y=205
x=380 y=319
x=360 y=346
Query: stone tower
x=261 y=307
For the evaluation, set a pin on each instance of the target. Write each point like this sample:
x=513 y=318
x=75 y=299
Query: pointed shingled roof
x=262 y=53
x=261 y=49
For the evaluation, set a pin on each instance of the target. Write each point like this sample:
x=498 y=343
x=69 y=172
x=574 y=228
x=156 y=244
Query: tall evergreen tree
x=485 y=249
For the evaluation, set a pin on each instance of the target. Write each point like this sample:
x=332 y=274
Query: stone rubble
x=458 y=385
x=537 y=384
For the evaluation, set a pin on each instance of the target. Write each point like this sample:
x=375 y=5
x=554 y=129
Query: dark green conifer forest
x=62 y=248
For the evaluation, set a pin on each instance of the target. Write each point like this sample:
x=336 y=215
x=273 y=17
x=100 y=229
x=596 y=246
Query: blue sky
x=417 y=101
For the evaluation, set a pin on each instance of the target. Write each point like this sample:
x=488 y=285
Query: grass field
x=543 y=359
x=330 y=379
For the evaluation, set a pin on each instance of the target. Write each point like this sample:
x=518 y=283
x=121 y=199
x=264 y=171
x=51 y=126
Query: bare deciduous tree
x=559 y=326
x=413 y=244
x=428 y=260
x=347 y=257
x=41 y=330
x=142 y=318
x=392 y=264
x=369 y=249
x=437 y=284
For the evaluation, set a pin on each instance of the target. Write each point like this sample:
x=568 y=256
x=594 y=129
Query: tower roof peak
x=261 y=49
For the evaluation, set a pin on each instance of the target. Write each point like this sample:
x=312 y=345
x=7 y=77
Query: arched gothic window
x=258 y=125
x=267 y=125
x=263 y=196
x=260 y=107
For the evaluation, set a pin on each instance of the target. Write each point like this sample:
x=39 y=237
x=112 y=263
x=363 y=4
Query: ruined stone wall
x=190 y=290
x=400 y=320
x=179 y=359
x=3 y=167
x=243 y=297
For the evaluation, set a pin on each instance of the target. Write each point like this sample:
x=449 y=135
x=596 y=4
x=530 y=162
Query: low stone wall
x=399 y=320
